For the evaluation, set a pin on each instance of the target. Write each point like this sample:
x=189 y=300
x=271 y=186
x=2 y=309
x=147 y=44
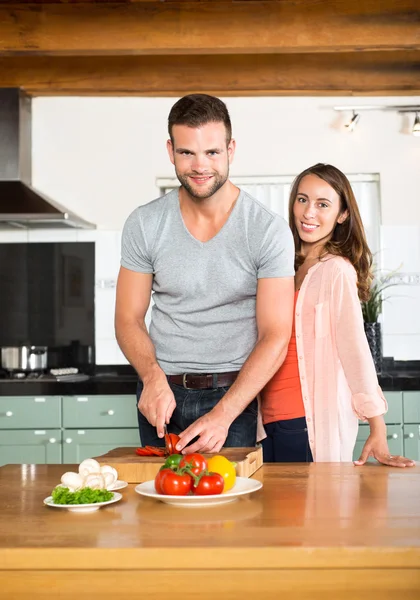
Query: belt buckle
x=184 y=381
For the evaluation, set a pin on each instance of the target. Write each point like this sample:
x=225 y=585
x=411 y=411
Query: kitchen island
x=326 y=530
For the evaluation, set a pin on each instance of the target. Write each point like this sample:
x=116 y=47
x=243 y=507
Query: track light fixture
x=350 y=126
x=416 y=126
x=354 y=120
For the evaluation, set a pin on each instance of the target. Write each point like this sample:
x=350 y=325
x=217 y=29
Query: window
x=273 y=192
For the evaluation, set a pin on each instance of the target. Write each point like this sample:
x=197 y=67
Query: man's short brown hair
x=196 y=110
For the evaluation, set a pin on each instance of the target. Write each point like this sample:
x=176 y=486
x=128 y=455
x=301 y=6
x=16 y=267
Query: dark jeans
x=287 y=441
x=192 y=404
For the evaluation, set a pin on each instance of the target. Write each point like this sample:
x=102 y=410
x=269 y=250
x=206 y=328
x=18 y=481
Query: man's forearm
x=139 y=350
x=263 y=362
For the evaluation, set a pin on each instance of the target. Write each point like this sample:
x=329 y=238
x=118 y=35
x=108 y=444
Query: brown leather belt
x=204 y=381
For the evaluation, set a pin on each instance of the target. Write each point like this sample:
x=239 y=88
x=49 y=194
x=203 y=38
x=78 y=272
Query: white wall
x=100 y=157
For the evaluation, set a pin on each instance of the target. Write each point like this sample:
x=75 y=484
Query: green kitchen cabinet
x=30 y=429
x=30 y=412
x=79 y=444
x=412 y=441
x=99 y=412
x=37 y=446
x=411 y=407
x=56 y=429
x=411 y=401
x=394 y=414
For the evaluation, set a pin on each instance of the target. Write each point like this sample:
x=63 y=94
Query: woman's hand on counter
x=377 y=446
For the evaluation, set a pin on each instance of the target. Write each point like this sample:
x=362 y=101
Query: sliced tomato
x=150 y=451
x=171 y=440
x=142 y=452
x=156 y=451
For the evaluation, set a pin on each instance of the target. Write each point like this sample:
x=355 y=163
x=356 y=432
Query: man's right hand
x=157 y=403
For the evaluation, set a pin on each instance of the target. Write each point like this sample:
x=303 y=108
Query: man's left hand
x=212 y=431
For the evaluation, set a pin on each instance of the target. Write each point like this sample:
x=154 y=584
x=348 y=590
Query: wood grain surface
x=313 y=531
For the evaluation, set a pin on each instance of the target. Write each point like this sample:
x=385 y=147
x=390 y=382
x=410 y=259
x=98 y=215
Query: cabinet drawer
x=99 y=411
x=79 y=444
x=23 y=412
x=38 y=446
x=411 y=407
x=395 y=407
x=412 y=441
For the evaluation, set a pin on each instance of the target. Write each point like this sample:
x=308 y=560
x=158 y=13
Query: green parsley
x=62 y=495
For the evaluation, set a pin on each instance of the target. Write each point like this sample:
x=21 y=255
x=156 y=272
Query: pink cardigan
x=337 y=374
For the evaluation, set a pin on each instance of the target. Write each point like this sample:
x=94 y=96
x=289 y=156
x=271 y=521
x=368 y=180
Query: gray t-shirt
x=203 y=317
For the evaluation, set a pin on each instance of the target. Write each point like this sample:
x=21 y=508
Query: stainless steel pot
x=24 y=358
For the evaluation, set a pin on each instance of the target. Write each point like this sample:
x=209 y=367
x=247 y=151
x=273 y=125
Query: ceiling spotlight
x=354 y=120
x=416 y=126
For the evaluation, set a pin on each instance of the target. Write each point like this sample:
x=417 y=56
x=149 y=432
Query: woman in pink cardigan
x=312 y=406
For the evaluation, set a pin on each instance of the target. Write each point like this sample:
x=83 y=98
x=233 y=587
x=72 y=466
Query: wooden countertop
x=324 y=516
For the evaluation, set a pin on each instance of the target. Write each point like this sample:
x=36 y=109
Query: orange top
x=282 y=396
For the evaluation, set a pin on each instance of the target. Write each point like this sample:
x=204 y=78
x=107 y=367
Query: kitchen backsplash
x=401 y=317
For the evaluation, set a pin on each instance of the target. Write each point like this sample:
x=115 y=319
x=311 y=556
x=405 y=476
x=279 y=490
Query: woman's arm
x=353 y=350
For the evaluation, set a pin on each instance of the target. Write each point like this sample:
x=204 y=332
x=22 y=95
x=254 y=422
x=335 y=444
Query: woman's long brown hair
x=348 y=238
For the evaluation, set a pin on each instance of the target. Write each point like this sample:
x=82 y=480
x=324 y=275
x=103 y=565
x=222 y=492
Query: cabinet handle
x=52 y=440
x=411 y=435
x=68 y=440
x=111 y=412
x=394 y=436
x=9 y=413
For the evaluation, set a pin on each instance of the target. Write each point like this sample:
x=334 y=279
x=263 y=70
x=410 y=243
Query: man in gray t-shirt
x=220 y=266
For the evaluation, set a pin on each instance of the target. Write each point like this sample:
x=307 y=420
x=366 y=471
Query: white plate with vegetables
x=242 y=487
x=84 y=507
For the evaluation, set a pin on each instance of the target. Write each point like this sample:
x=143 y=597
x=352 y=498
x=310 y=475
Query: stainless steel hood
x=22 y=206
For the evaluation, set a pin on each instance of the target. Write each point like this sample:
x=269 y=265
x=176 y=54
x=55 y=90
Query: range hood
x=22 y=206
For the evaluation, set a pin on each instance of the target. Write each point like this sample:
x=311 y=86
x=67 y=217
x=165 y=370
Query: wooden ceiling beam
x=216 y=27
x=375 y=73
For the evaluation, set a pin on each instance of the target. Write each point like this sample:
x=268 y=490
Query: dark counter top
x=94 y=385
x=114 y=382
x=399 y=381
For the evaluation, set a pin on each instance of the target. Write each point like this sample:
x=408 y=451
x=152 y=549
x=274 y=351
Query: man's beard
x=217 y=182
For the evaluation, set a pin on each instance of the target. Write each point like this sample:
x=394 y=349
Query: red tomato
x=196 y=462
x=213 y=483
x=150 y=451
x=158 y=480
x=171 y=440
x=175 y=484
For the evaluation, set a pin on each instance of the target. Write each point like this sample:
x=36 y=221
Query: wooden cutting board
x=135 y=469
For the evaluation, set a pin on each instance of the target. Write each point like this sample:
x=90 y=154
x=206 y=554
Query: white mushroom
x=110 y=475
x=90 y=465
x=109 y=480
x=95 y=481
x=72 y=481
